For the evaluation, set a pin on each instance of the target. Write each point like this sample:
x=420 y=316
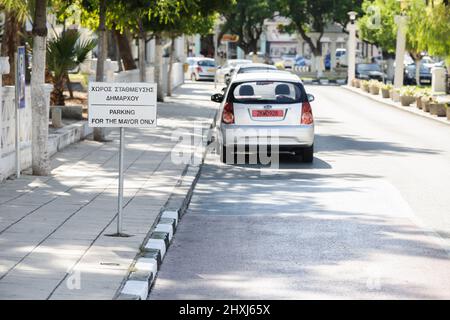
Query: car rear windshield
x=255 y=69
x=238 y=63
x=206 y=63
x=268 y=92
x=369 y=67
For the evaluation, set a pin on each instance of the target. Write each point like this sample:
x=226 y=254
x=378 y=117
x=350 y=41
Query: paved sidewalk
x=52 y=229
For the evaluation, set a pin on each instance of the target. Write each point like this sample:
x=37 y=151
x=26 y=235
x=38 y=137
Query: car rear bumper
x=293 y=136
x=206 y=75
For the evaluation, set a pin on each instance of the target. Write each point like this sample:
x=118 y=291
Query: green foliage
x=245 y=18
x=67 y=51
x=22 y=8
x=417 y=25
x=408 y=91
x=155 y=16
x=374 y=83
x=436 y=35
x=387 y=86
x=64 y=53
x=314 y=16
x=377 y=25
x=428 y=26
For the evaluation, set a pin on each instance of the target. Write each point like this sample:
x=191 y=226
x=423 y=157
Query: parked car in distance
x=201 y=69
x=302 y=61
x=288 y=60
x=223 y=73
x=370 y=71
x=342 y=59
x=410 y=74
x=256 y=103
x=252 y=67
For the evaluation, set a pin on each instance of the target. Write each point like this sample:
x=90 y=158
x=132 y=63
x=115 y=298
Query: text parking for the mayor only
x=126 y=105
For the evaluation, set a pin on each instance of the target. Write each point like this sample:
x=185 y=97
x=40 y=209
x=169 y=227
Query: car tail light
x=199 y=69
x=307 y=116
x=228 y=113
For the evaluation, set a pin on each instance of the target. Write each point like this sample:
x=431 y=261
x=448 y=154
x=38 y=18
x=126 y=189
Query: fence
x=8 y=132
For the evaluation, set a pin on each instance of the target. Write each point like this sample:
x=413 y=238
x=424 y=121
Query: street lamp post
x=401 y=21
x=351 y=47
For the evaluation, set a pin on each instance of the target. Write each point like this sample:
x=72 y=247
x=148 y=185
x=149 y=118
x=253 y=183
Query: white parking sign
x=122 y=104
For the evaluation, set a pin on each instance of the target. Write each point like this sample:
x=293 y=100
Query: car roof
x=267 y=76
x=253 y=65
x=239 y=60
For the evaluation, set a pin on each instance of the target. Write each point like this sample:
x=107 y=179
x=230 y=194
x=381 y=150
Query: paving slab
x=53 y=226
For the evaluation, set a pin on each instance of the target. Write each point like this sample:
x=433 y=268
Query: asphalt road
x=370 y=218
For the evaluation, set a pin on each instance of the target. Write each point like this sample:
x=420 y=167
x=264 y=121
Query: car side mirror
x=310 y=97
x=218 y=97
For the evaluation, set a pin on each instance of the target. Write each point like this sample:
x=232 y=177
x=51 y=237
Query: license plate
x=426 y=81
x=267 y=113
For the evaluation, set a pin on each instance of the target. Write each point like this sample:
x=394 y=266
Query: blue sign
x=20 y=77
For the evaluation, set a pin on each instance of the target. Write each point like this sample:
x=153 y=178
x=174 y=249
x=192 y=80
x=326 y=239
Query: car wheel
x=307 y=154
x=226 y=155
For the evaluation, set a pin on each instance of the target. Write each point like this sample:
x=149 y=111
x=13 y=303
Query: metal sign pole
x=109 y=107
x=120 y=190
x=16 y=107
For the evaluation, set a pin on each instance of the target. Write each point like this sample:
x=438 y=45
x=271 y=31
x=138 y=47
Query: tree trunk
x=417 y=75
x=390 y=71
x=416 y=57
x=100 y=133
x=169 y=74
x=125 y=50
x=39 y=105
x=158 y=65
x=57 y=94
x=69 y=85
x=253 y=46
x=142 y=67
x=316 y=50
x=10 y=42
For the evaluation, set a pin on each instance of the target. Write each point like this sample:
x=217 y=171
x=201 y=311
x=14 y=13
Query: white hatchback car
x=265 y=109
x=223 y=73
x=201 y=69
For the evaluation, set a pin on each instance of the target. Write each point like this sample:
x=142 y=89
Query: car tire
x=227 y=154
x=307 y=154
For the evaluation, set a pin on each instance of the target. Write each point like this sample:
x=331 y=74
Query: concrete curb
x=389 y=102
x=67 y=135
x=144 y=270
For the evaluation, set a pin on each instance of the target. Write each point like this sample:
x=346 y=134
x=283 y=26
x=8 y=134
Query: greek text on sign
x=122 y=104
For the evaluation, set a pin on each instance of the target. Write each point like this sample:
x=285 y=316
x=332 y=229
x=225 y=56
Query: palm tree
x=15 y=12
x=64 y=53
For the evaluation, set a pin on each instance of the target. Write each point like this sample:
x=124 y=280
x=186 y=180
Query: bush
x=387 y=86
x=408 y=91
x=374 y=83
